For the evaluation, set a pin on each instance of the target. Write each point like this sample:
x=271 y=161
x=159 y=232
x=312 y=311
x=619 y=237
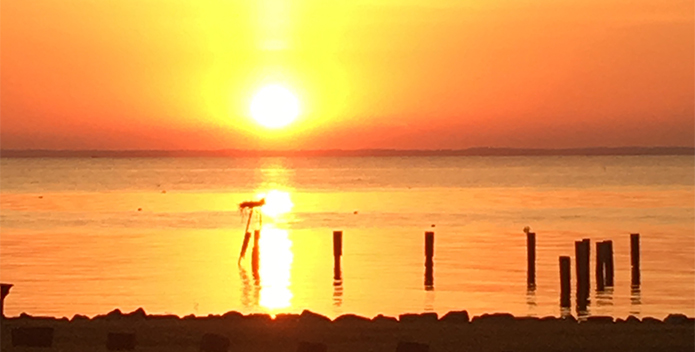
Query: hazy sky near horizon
x=175 y=74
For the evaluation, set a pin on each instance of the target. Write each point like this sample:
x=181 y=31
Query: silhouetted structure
x=582 y=253
x=429 y=260
x=255 y=255
x=337 y=253
x=634 y=258
x=600 y=266
x=565 y=285
x=531 y=260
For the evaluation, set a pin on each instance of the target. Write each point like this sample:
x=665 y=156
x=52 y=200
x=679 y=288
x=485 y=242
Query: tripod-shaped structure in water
x=250 y=206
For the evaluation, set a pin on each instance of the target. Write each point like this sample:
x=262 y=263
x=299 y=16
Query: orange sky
x=405 y=74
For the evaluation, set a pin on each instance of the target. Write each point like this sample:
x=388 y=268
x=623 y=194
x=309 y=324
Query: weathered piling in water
x=255 y=252
x=634 y=257
x=429 y=260
x=582 y=262
x=531 y=259
x=565 y=285
x=608 y=262
x=600 y=266
x=4 y=291
x=337 y=253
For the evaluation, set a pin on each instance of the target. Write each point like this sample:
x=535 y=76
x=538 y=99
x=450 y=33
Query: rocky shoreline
x=308 y=331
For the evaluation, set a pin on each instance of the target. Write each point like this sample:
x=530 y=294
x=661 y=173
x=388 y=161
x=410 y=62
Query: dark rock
x=164 y=317
x=114 y=314
x=599 y=320
x=650 y=320
x=632 y=319
x=569 y=318
x=311 y=317
x=496 y=318
x=136 y=314
x=190 y=317
x=214 y=343
x=32 y=336
x=232 y=315
x=117 y=341
x=418 y=318
x=34 y=317
x=677 y=319
x=412 y=347
x=384 y=319
x=79 y=317
x=456 y=317
x=311 y=347
x=549 y=318
x=287 y=318
x=350 y=318
x=258 y=318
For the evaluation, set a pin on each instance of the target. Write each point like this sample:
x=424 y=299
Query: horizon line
x=384 y=152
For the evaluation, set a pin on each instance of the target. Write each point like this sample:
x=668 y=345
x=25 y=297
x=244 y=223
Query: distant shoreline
x=235 y=153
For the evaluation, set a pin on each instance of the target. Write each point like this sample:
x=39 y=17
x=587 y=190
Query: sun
x=274 y=106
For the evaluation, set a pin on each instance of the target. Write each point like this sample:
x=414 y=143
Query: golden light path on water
x=275 y=253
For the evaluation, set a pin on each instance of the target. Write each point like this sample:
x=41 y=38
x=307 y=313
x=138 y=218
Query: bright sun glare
x=274 y=106
x=276 y=203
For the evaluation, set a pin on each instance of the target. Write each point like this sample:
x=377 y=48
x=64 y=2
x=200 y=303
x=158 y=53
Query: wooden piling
x=565 y=279
x=608 y=262
x=582 y=262
x=587 y=256
x=255 y=252
x=429 y=260
x=634 y=256
x=337 y=253
x=530 y=259
x=600 y=266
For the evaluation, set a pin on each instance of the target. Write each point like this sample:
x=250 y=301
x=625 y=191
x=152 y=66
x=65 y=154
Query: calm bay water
x=73 y=239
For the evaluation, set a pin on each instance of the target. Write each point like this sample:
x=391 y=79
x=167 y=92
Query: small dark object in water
x=139 y=209
x=40 y=197
x=354 y=212
x=164 y=191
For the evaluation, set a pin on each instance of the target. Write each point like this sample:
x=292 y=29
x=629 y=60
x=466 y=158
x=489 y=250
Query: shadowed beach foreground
x=452 y=332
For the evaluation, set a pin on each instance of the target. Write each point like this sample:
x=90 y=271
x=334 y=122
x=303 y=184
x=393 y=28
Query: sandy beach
x=454 y=332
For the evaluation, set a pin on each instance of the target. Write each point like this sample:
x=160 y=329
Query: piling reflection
x=604 y=297
x=249 y=290
x=635 y=300
x=337 y=293
x=531 y=300
x=430 y=296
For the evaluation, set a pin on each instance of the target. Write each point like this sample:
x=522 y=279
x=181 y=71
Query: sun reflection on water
x=277 y=203
x=275 y=262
